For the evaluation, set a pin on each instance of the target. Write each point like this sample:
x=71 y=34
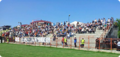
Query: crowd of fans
x=91 y=27
x=58 y=29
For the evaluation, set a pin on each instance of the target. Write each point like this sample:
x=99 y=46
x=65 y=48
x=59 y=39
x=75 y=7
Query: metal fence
x=91 y=42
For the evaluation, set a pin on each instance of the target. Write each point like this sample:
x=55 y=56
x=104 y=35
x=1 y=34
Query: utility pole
x=69 y=18
x=20 y=25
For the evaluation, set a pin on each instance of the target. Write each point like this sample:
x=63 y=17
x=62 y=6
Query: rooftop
x=41 y=21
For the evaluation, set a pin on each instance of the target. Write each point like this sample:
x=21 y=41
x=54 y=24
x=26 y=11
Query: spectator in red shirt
x=26 y=33
x=62 y=41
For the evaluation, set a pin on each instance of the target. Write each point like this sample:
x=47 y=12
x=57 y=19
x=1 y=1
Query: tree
x=118 y=24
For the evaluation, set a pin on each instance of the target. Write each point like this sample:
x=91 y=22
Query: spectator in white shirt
x=108 y=20
x=68 y=35
x=89 y=30
x=118 y=45
x=101 y=20
x=10 y=34
x=61 y=23
x=82 y=30
x=95 y=20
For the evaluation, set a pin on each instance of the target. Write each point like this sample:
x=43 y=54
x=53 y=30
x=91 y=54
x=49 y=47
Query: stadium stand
x=43 y=28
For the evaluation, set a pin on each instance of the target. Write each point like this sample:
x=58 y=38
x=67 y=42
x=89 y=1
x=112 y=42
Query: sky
x=14 y=11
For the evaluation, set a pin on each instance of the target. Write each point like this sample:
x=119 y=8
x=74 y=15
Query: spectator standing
x=10 y=34
x=62 y=41
x=108 y=20
x=54 y=37
x=118 y=45
x=75 y=41
x=65 y=41
x=35 y=34
x=82 y=43
x=7 y=40
x=64 y=23
x=95 y=21
x=101 y=20
x=68 y=35
x=97 y=43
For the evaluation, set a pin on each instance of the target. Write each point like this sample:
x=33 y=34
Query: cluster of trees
x=118 y=24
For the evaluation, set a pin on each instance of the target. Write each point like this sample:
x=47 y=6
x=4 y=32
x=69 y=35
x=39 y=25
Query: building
x=5 y=27
x=24 y=25
x=40 y=22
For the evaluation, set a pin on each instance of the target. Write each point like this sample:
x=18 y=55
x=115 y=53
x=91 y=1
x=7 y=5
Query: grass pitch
x=15 y=50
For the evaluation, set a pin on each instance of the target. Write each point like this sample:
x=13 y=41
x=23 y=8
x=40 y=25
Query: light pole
x=69 y=18
x=20 y=24
x=20 y=29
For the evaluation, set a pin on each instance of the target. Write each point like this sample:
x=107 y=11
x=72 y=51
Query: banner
x=27 y=39
x=17 y=39
x=33 y=39
x=47 y=40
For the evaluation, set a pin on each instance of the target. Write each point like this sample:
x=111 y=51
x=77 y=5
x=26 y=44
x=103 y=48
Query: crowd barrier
x=12 y=39
x=33 y=39
x=91 y=42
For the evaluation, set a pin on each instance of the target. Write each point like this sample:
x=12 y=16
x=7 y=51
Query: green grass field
x=15 y=50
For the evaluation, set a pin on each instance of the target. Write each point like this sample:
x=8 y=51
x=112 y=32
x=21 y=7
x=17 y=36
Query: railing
x=106 y=32
x=91 y=43
x=109 y=30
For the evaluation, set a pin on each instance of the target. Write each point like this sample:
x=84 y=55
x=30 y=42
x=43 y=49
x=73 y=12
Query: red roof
x=41 y=21
x=25 y=25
